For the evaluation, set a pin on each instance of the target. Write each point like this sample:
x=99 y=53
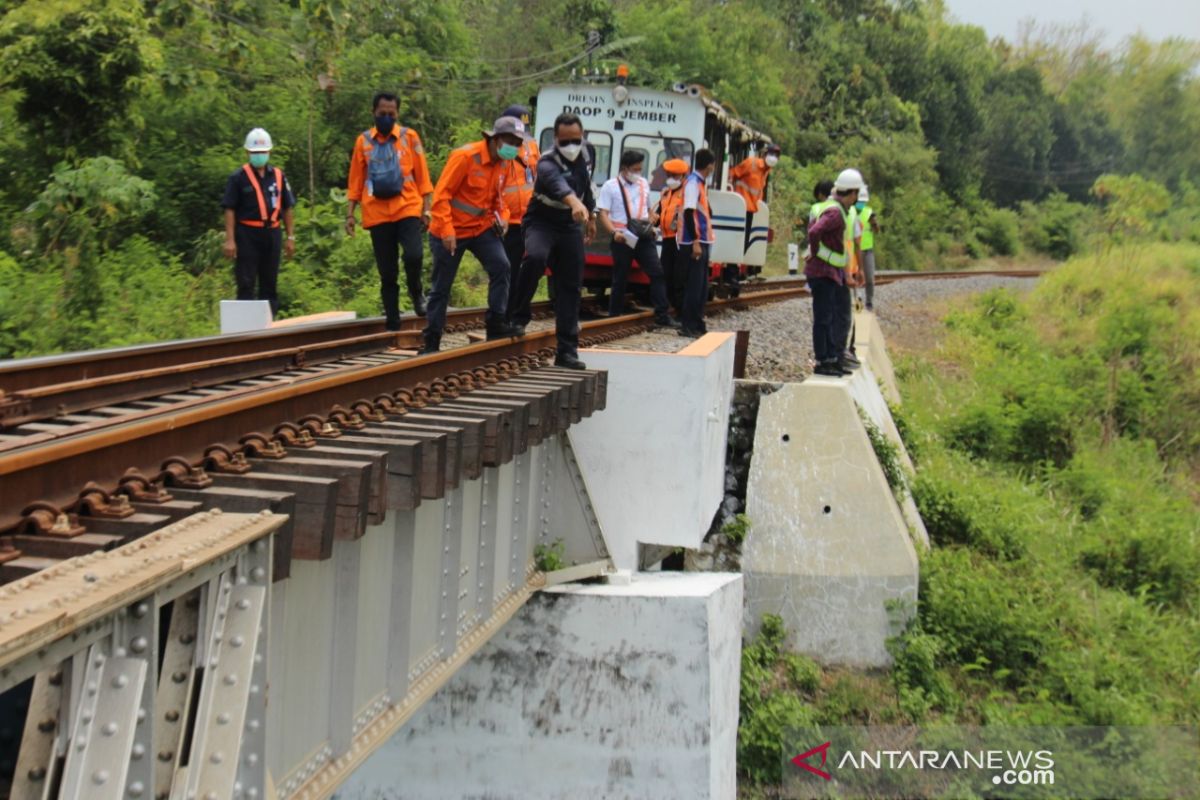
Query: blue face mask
x=259 y=160
x=384 y=123
x=507 y=151
x=860 y=205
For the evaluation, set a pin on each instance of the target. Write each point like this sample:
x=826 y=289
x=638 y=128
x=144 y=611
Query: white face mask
x=673 y=183
x=571 y=151
x=771 y=160
x=631 y=177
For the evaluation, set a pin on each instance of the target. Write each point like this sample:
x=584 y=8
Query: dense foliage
x=1056 y=453
x=129 y=114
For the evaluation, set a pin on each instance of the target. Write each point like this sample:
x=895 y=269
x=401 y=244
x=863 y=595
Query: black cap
x=774 y=148
x=518 y=111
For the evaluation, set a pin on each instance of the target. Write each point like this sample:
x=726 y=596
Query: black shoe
x=500 y=330
x=517 y=330
x=568 y=361
x=690 y=333
x=830 y=369
x=391 y=325
x=418 y=301
x=851 y=360
x=433 y=343
x=846 y=367
x=665 y=321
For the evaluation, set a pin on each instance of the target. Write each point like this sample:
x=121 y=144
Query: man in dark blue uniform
x=559 y=222
x=257 y=199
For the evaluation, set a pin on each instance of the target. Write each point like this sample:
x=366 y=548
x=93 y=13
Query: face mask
x=507 y=151
x=860 y=205
x=570 y=151
x=674 y=183
x=631 y=177
x=259 y=160
x=771 y=160
x=384 y=123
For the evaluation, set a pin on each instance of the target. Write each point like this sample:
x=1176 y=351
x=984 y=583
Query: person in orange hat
x=670 y=202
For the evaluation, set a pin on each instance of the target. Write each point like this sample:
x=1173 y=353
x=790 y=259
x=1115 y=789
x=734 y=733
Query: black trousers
x=258 y=251
x=514 y=248
x=843 y=322
x=646 y=255
x=695 y=290
x=827 y=347
x=673 y=273
x=388 y=239
x=560 y=247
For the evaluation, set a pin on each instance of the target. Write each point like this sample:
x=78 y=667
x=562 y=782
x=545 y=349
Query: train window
x=603 y=143
x=657 y=149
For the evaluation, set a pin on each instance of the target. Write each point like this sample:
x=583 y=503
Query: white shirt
x=610 y=200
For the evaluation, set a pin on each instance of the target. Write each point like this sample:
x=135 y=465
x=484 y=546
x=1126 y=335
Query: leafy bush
x=770 y=706
x=887 y=453
x=952 y=516
x=1000 y=230
x=921 y=684
x=1054 y=226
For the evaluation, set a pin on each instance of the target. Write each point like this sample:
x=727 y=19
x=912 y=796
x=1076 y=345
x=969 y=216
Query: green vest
x=832 y=257
x=818 y=209
x=868 y=237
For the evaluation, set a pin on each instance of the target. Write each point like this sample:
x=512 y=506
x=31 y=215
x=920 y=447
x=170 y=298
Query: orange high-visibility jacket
x=468 y=198
x=670 y=203
x=413 y=168
x=749 y=180
x=518 y=181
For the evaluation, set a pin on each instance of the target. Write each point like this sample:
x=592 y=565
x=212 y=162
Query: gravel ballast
x=781 y=333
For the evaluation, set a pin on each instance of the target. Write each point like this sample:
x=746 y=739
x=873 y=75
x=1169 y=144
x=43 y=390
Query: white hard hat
x=258 y=141
x=848 y=180
x=863 y=194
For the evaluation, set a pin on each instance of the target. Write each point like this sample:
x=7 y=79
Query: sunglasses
x=566 y=142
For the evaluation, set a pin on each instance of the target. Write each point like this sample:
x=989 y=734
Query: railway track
x=100 y=448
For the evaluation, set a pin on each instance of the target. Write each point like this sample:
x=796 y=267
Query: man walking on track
x=389 y=178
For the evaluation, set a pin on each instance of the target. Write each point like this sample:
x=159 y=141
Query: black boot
x=433 y=343
x=412 y=276
x=501 y=330
x=569 y=361
x=665 y=321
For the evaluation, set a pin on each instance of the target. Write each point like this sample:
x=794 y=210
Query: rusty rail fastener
x=255 y=444
x=326 y=428
x=140 y=489
x=176 y=471
x=219 y=458
x=47 y=519
x=94 y=501
x=290 y=435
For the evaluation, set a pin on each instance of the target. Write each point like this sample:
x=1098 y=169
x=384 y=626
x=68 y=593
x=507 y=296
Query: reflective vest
x=868 y=237
x=266 y=219
x=831 y=256
x=518 y=182
x=670 y=203
x=703 y=214
x=749 y=180
x=818 y=209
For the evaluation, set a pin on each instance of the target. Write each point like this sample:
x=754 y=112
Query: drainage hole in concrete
x=828 y=510
x=787 y=438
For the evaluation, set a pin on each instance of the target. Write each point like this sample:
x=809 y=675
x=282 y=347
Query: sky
x=1117 y=18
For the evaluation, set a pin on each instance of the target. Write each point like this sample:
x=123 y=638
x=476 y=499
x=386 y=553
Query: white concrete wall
x=828 y=546
x=591 y=691
x=867 y=391
x=654 y=460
